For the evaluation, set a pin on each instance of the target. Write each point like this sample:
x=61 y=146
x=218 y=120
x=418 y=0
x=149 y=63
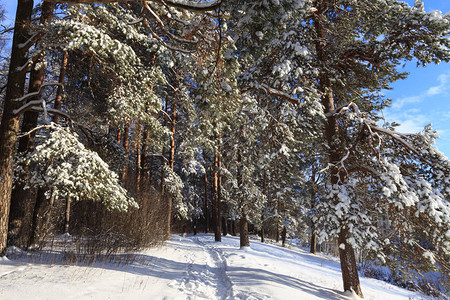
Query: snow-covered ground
x=194 y=267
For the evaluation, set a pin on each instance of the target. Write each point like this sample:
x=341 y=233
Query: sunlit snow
x=194 y=267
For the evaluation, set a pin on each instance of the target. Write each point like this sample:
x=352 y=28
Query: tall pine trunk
x=163 y=175
x=126 y=144
x=244 y=240
x=10 y=122
x=205 y=181
x=262 y=214
x=216 y=196
x=313 y=241
x=346 y=253
x=171 y=165
x=138 y=159
x=22 y=198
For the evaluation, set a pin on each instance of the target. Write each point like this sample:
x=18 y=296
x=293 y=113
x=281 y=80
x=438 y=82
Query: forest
x=125 y=121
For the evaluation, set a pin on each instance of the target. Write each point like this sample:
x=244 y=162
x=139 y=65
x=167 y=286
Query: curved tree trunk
x=10 y=122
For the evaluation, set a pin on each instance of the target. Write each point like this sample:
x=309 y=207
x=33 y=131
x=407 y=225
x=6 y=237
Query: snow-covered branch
x=30 y=42
x=398 y=137
x=342 y=109
x=32 y=95
x=278 y=93
x=186 y=5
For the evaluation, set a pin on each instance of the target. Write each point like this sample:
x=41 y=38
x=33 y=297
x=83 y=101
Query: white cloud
x=410 y=120
x=446 y=115
x=398 y=104
x=410 y=126
x=441 y=88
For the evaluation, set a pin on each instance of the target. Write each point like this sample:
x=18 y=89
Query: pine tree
x=332 y=58
x=9 y=126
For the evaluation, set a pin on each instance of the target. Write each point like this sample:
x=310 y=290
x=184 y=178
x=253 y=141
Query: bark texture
x=21 y=197
x=244 y=240
x=348 y=265
x=10 y=122
x=216 y=201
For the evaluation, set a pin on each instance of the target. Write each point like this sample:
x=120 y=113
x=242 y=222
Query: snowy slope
x=194 y=267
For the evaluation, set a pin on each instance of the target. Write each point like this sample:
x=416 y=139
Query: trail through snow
x=194 y=267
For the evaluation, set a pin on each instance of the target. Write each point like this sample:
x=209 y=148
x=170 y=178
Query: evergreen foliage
x=266 y=112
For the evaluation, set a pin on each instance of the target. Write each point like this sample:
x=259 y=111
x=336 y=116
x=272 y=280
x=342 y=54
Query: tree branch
x=278 y=93
x=397 y=137
x=186 y=5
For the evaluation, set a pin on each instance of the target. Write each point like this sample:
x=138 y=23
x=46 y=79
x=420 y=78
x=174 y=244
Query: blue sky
x=424 y=97
x=421 y=99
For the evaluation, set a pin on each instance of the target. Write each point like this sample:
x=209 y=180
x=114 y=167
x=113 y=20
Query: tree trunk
x=43 y=206
x=244 y=240
x=21 y=198
x=172 y=140
x=262 y=215
x=277 y=237
x=262 y=228
x=224 y=226
x=126 y=144
x=67 y=215
x=233 y=228
x=171 y=165
x=216 y=200
x=162 y=192
x=348 y=264
x=10 y=122
x=41 y=215
x=347 y=255
x=283 y=237
x=195 y=226
x=138 y=158
x=313 y=243
x=59 y=92
x=205 y=181
x=118 y=135
x=219 y=188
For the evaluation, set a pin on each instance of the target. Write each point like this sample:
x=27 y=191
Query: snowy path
x=205 y=275
x=191 y=268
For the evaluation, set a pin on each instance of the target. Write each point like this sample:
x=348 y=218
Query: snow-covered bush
x=62 y=163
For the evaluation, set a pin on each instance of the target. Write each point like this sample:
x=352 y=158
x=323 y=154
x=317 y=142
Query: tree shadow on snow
x=253 y=277
x=163 y=268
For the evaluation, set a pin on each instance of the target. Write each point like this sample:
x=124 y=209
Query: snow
x=194 y=267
